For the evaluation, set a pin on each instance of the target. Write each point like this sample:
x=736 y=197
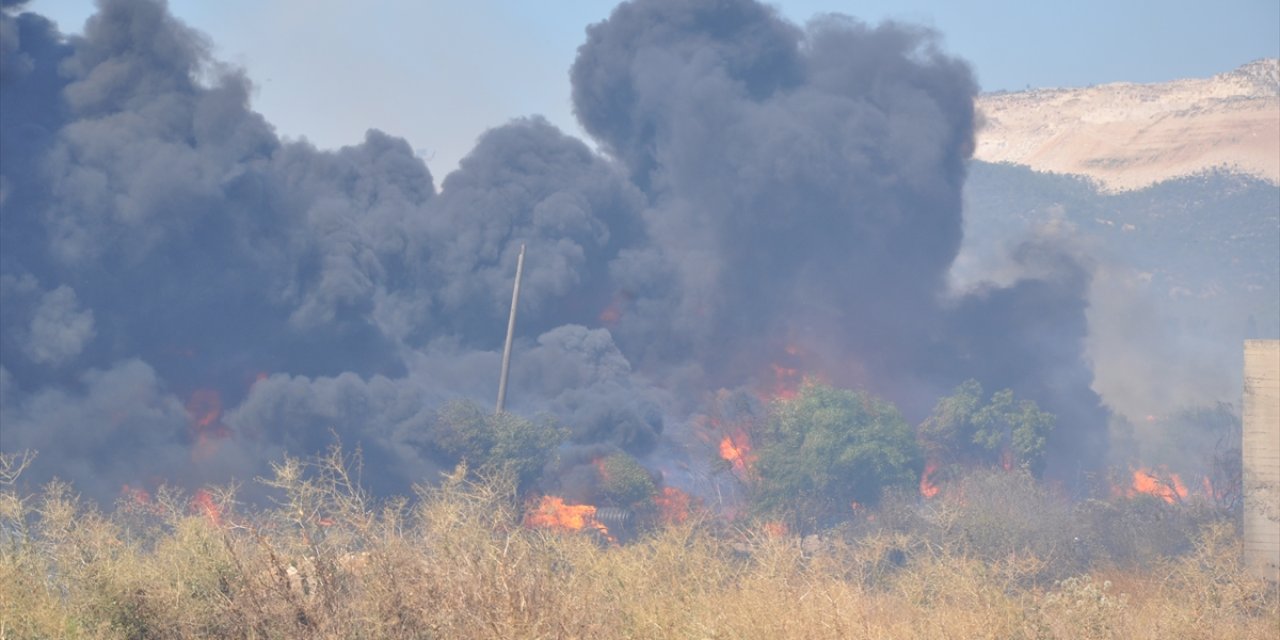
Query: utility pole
x=511 y=332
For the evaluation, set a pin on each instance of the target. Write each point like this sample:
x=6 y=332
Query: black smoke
x=187 y=296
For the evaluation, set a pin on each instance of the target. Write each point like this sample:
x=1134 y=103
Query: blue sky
x=440 y=73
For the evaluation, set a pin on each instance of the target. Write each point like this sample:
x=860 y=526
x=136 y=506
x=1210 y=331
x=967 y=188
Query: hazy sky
x=440 y=73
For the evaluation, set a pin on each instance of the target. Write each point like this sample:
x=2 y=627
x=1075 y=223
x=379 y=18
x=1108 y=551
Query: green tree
x=825 y=448
x=964 y=429
x=465 y=431
x=624 y=482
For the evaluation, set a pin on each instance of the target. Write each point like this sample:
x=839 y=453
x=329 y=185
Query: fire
x=611 y=315
x=786 y=382
x=927 y=488
x=673 y=506
x=784 y=378
x=776 y=529
x=1209 y=492
x=1145 y=481
x=136 y=495
x=202 y=504
x=736 y=448
x=204 y=409
x=553 y=513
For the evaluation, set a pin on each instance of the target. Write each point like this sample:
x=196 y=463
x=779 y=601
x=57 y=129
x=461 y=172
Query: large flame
x=553 y=513
x=1171 y=490
x=927 y=488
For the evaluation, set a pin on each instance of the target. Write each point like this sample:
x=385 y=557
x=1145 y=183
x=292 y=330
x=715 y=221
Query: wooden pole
x=511 y=331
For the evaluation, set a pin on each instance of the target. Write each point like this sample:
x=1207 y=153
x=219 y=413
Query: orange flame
x=927 y=488
x=553 y=513
x=786 y=382
x=673 y=506
x=1145 y=481
x=202 y=504
x=204 y=409
x=611 y=315
x=1208 y=489
x=784 y=378
x=776 y=529
x=736 y=449
x=136 y=495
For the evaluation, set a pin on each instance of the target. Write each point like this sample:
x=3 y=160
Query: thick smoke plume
x=186 y=296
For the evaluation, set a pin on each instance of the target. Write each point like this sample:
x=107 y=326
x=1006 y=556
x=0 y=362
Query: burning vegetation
x=552 y=513
x=725 y=418
x=994 y=554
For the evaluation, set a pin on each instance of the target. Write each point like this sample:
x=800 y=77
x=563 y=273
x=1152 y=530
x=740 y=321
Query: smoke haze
x=186 y=296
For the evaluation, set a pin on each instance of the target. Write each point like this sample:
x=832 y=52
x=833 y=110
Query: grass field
x=455 y=562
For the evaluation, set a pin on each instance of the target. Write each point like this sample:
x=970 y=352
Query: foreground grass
x=455 y=563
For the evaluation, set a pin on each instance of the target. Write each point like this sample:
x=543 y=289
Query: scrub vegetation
x=996 y=555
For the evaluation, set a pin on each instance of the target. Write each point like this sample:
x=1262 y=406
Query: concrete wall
x=1261 y=448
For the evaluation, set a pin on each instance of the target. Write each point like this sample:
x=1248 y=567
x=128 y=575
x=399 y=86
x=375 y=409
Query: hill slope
x=1128 y=136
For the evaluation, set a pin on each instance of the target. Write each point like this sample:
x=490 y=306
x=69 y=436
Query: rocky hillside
x=1128 y=136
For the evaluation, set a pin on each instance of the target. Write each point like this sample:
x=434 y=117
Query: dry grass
x=329 y=562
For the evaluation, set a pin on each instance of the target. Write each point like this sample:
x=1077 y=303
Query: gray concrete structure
x=1261 y=448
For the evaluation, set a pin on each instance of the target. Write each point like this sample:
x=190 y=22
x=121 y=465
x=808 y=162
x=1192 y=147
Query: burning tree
x=826 y=448
x=1003 y=431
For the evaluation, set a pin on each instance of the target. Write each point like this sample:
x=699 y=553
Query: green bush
x=490 y=442
x=826 y=448
x=963 y=429
x=624 y=483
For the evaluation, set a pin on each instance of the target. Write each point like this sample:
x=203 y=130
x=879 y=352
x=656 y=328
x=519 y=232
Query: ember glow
x=553 y=513
x=202 y=503
x=204 y=408
x=786 y=382
x=1209 y=491
x=673 y=506
x=784 y=377
x=927 y=488
x=135 y=495
x=776 y=529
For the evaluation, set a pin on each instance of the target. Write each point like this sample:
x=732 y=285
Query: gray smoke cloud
x=188 y=297
x=806 y=195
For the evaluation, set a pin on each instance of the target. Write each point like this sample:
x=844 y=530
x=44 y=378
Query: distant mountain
x=1128 y=136
x=1169 y=193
